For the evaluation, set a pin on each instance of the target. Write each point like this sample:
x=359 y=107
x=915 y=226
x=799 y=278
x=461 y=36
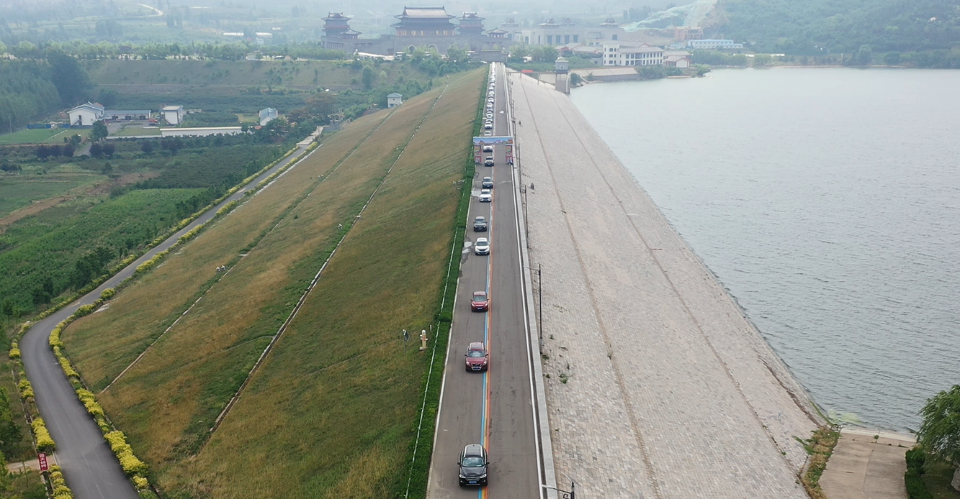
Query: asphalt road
x=493 y=408
x=89 y=466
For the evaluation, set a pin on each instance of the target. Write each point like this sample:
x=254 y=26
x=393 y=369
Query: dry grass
x=289 y=427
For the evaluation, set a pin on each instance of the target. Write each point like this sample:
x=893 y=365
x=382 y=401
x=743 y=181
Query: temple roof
x=424 y=13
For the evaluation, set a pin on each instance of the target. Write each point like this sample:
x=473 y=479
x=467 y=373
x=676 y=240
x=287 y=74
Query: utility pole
x=540 y=299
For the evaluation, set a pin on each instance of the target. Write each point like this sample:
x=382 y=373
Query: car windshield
x=479 y=296
x=475 y=353
x=472 y=462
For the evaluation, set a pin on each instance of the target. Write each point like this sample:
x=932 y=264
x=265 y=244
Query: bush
x=916 y=489
x=915 y=458
x=26 y=389
x=90 y=402
x=45 y=442
x=59 y=485
x=14 y=352
x=108 y=293
x=131 y=465
x=84 y=310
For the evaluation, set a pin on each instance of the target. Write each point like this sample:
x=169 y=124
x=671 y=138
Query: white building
x=267 y=115
x=200 y=132
x=713 y=44
x=566 y=32
x=127 y=115
x=85 y=114
x=173 y=114
x=628 y=54
x=394 y=100
x=677 y=59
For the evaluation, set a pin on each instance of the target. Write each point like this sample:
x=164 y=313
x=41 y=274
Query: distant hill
x=815 y=27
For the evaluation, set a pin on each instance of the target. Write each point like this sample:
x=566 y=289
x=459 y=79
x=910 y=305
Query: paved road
x=89 y=466
x=495 y=408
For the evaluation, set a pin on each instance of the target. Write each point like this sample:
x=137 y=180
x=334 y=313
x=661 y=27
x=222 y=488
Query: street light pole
x=540 y=299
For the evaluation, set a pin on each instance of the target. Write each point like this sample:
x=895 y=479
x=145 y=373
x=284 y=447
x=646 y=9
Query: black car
x=473 y=465
x=480 y=224
x=486 y=183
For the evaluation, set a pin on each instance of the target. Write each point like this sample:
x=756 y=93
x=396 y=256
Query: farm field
x=328 y=367
x=18 y=191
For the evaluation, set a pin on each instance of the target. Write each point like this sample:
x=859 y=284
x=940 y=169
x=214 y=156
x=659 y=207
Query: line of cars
x=474 y=460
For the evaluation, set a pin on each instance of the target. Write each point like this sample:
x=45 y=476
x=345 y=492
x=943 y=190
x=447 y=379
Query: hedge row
x=916 y=487
x=132 y=466
x=59 y=485
x=45 y=442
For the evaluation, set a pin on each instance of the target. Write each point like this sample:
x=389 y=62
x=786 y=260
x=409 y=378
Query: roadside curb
x=530 y=323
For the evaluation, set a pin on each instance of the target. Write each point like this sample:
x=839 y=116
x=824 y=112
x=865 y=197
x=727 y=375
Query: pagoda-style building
x=498 y=34
x=609 y=23
x=471 y=24
x=337 y=32
x=423 y=22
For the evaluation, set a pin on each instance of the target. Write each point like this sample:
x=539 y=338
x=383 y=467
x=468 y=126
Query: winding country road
x=89 y=466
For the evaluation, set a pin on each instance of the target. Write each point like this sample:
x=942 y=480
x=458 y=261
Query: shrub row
x=132 y=466
x=59 y=485
x=916 y=487
x=45 y=442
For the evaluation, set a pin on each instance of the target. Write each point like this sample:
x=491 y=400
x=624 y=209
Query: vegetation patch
x=820 y=448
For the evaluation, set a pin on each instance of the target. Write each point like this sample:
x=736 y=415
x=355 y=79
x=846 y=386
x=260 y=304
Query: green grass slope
x=313 y=419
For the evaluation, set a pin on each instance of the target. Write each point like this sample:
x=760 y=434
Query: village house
x=86 y=114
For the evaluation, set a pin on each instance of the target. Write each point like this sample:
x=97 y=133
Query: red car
x=477 y=358
x=479 y=302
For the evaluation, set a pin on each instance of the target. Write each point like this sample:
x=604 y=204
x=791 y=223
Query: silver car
x=482 y=246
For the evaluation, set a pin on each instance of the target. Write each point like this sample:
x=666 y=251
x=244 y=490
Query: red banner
x=43 y=461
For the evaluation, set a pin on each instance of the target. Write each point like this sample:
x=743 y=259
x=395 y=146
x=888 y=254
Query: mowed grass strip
x=168 y=401
x=333 y=410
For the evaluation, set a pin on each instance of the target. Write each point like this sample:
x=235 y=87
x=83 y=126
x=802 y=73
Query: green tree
x=939 y=432
x=10 y=434
x=99 y=131
x=3 y=48
x=367 y=78
x=762 y=60
x=456 y=54
x=70 y=79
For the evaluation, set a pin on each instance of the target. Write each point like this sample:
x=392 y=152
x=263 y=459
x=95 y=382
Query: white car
x=488 y=133
x=487 y=148
x=482 y=246
x=486 y=196
x=489 y=116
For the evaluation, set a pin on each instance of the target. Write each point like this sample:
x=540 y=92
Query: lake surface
x=828 y=202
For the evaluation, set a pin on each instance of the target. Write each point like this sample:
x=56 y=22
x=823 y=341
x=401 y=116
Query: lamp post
x=565 y=494
x=540 y=301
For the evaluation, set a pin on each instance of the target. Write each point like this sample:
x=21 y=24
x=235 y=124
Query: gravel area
x=658 y=385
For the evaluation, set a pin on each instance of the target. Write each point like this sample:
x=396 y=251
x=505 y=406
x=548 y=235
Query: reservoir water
x=828 y=202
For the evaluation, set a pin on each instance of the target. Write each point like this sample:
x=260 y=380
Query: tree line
x=821 y=27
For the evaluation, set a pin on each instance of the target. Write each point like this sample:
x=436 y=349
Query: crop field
x=19 y=191
x=313 y=421
x=136 y=130
x=29 y=136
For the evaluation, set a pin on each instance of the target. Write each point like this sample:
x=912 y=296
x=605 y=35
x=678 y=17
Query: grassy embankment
x=42 y=136
x=334 y=407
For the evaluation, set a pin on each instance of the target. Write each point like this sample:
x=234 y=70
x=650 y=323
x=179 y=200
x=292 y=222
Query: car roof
x=480 y=217
x=479 y=293
x=473 y=450
x=476 y=345
x=481 y=240
x=488 y=178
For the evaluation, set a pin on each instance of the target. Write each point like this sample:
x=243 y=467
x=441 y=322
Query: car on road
x=477 y=358
x=486 y=183
x=487 y=148
x=488 y=126
x=488 y=133
x=482 y=246
x=490 y=100
x=473 y=465
x=489 y=116
x=486 y=196
x=479 y=303
x=488 y=161
x=480 y=224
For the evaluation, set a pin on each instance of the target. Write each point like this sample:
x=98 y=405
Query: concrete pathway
x=33 y=464
x=862 y=467
x=658 y=385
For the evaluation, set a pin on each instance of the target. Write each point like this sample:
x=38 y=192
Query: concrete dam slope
x=658 y=385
